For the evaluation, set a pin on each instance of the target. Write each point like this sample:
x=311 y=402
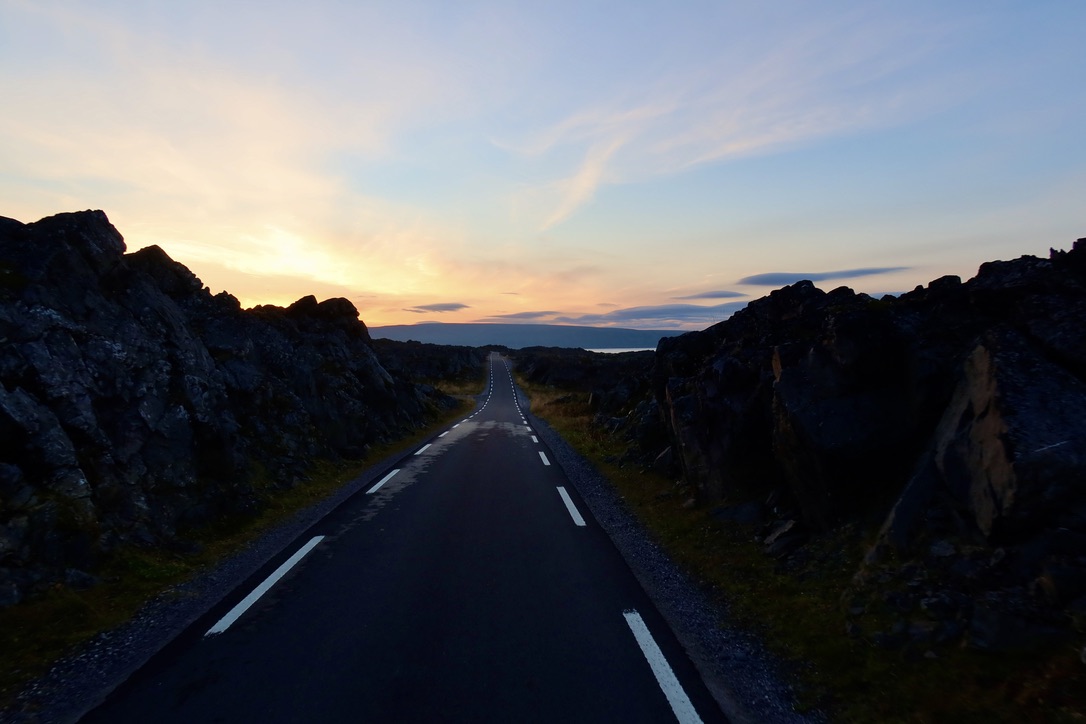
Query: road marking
x=384 y=480
x=423 y=448
x=243 y=606
x=529 y=427
x=665 y=677
x=573 y=512
x=444 y=434
x=543 y=455
x=535 y=439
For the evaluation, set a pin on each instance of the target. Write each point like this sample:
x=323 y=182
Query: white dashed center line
x=384 y=480
x=573 y=512
x=243 y=606
x=665 y=677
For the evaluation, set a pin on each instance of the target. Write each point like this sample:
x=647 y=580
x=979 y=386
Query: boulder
x=1012 y=444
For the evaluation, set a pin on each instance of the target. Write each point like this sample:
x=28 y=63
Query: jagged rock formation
x=957 y=407
x=135 y=404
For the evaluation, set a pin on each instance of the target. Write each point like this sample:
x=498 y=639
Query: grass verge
x=35 y=634
x=795 y=607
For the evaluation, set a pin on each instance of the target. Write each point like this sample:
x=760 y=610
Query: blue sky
x=590 y=162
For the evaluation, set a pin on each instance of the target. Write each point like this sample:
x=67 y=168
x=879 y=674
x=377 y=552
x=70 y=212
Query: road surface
x=469 y=583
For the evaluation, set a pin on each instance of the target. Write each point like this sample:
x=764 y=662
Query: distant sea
x=616 y=350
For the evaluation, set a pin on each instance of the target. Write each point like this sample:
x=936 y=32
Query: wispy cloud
x=817 y=77
x=780 y=279
x=579 y=188
x=439 y=307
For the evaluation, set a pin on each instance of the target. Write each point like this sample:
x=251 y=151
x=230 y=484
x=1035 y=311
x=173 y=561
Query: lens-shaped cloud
x=719 y=294
x=439 y=307
x=782 y=279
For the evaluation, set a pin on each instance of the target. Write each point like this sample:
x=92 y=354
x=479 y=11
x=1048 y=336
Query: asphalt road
x=470 y=583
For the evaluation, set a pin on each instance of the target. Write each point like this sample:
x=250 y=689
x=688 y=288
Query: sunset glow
x=603 y=163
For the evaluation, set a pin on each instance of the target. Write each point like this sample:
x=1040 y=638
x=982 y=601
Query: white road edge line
x=444 y=434
x=384 y=480
x=543 y=457
x=535 y=439
x=573 y=512
x=243 y=606
x=665 y=677
x=422 y=449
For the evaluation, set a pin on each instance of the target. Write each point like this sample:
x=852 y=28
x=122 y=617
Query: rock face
x=433 y=362
x=954 y=412
x=617 y=387
x=135 y=404
x=613 y=380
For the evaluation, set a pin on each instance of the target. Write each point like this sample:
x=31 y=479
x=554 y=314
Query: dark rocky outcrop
x=949 y=420
x=616 y=385
x=135 y=404
x=613 y=380
x=433 y=362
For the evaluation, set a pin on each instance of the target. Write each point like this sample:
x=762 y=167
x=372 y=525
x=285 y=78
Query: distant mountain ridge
x=518 y=336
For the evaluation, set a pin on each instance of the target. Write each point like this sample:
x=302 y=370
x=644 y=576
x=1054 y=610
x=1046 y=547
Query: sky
x=649 y=164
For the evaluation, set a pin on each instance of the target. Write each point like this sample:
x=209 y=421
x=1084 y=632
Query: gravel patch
x=742 y=676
